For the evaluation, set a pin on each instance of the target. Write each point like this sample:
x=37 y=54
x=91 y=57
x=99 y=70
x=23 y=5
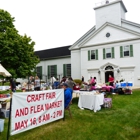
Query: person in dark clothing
x=63 y=79
x=82 y=78
x=13 y=85
x=56 y=84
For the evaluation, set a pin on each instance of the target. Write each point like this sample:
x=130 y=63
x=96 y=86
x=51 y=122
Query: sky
x=57 y=23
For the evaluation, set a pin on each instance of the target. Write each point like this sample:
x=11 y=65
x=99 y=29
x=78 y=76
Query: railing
x=104 y=2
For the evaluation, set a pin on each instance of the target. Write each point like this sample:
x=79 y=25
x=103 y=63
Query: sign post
x=9 y=119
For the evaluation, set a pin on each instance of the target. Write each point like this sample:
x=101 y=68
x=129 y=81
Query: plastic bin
x=129 y=84
x=1 y=125
x=123 y=84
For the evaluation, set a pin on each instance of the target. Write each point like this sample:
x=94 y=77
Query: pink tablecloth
x=107 y=87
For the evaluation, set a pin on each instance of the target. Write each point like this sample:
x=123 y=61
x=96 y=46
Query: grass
x=121 y=122
x=5 y=84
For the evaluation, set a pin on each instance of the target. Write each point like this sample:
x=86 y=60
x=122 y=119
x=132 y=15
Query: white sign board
x=33 y=109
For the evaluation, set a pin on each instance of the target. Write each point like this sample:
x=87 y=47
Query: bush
x=78 y=81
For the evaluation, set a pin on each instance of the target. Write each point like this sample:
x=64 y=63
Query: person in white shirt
x=52 y=80
x=37 y=84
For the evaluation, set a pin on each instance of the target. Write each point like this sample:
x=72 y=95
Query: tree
x=16 y=51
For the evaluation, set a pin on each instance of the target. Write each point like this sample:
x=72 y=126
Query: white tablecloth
x=90 y=101
x=4 y=99
x=4 y=87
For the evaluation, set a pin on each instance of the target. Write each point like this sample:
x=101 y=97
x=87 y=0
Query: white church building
x=112 y=46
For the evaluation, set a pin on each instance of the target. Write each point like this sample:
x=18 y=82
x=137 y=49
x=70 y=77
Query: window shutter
x=88 y=55
x=131 y=50
x=55 y=70
x=96 y=54
x=64 y=69
x=40 y=72
x=49 y=72
x=113 y=55
x=121 y=51
x=104 y=53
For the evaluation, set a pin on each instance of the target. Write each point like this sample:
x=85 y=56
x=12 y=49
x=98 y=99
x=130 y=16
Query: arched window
x=109 y=68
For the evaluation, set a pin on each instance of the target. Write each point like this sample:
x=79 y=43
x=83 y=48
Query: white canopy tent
x=4 y=72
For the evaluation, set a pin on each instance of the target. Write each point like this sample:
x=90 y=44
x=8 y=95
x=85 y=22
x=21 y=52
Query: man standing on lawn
x=13 y=85
x=67 y=94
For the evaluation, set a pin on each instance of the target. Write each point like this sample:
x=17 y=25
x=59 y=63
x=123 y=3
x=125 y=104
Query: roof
x=92 y=32
x=112 y=2
x=83 y=37
x=53 y=53
x=103 y=26
x=130 y=22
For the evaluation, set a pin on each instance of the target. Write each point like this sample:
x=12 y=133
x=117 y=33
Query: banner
x=33 y=109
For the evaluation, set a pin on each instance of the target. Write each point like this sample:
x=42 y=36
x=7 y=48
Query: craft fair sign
x=33 y=109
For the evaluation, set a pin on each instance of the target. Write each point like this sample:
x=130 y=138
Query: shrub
x=78 y=81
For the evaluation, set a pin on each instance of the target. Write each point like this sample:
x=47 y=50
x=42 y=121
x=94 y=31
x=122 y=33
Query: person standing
x=82 y=79
x=13 y=85
x=111 y=80
x=63 y=79
x=52 y=80
x=56 y=84
x=67 y=95
x=93 y=81
x=37 y=84
x=70 y=83
x=30 y=82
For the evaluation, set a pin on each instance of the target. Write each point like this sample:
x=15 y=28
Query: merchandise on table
x=129 y=84
x=127 y=91
x=123 y=84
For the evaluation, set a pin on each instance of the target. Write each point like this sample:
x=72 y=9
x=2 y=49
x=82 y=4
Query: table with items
x=4 y=88
x=91 y=100
x=4 y=105
x=125 y=88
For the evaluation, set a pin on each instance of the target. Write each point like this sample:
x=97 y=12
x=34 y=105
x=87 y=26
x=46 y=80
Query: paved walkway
x=135 y=88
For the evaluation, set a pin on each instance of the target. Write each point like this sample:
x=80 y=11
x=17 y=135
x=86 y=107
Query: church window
x=39 y=71
x=93 y=55
x=108 y=53
x=126 y=51
x=52 y=71
x=67 y=70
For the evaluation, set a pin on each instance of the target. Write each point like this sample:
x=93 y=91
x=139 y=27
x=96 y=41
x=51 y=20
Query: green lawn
x=121 y=122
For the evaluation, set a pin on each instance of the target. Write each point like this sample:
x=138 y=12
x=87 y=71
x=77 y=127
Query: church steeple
x=109 y=11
